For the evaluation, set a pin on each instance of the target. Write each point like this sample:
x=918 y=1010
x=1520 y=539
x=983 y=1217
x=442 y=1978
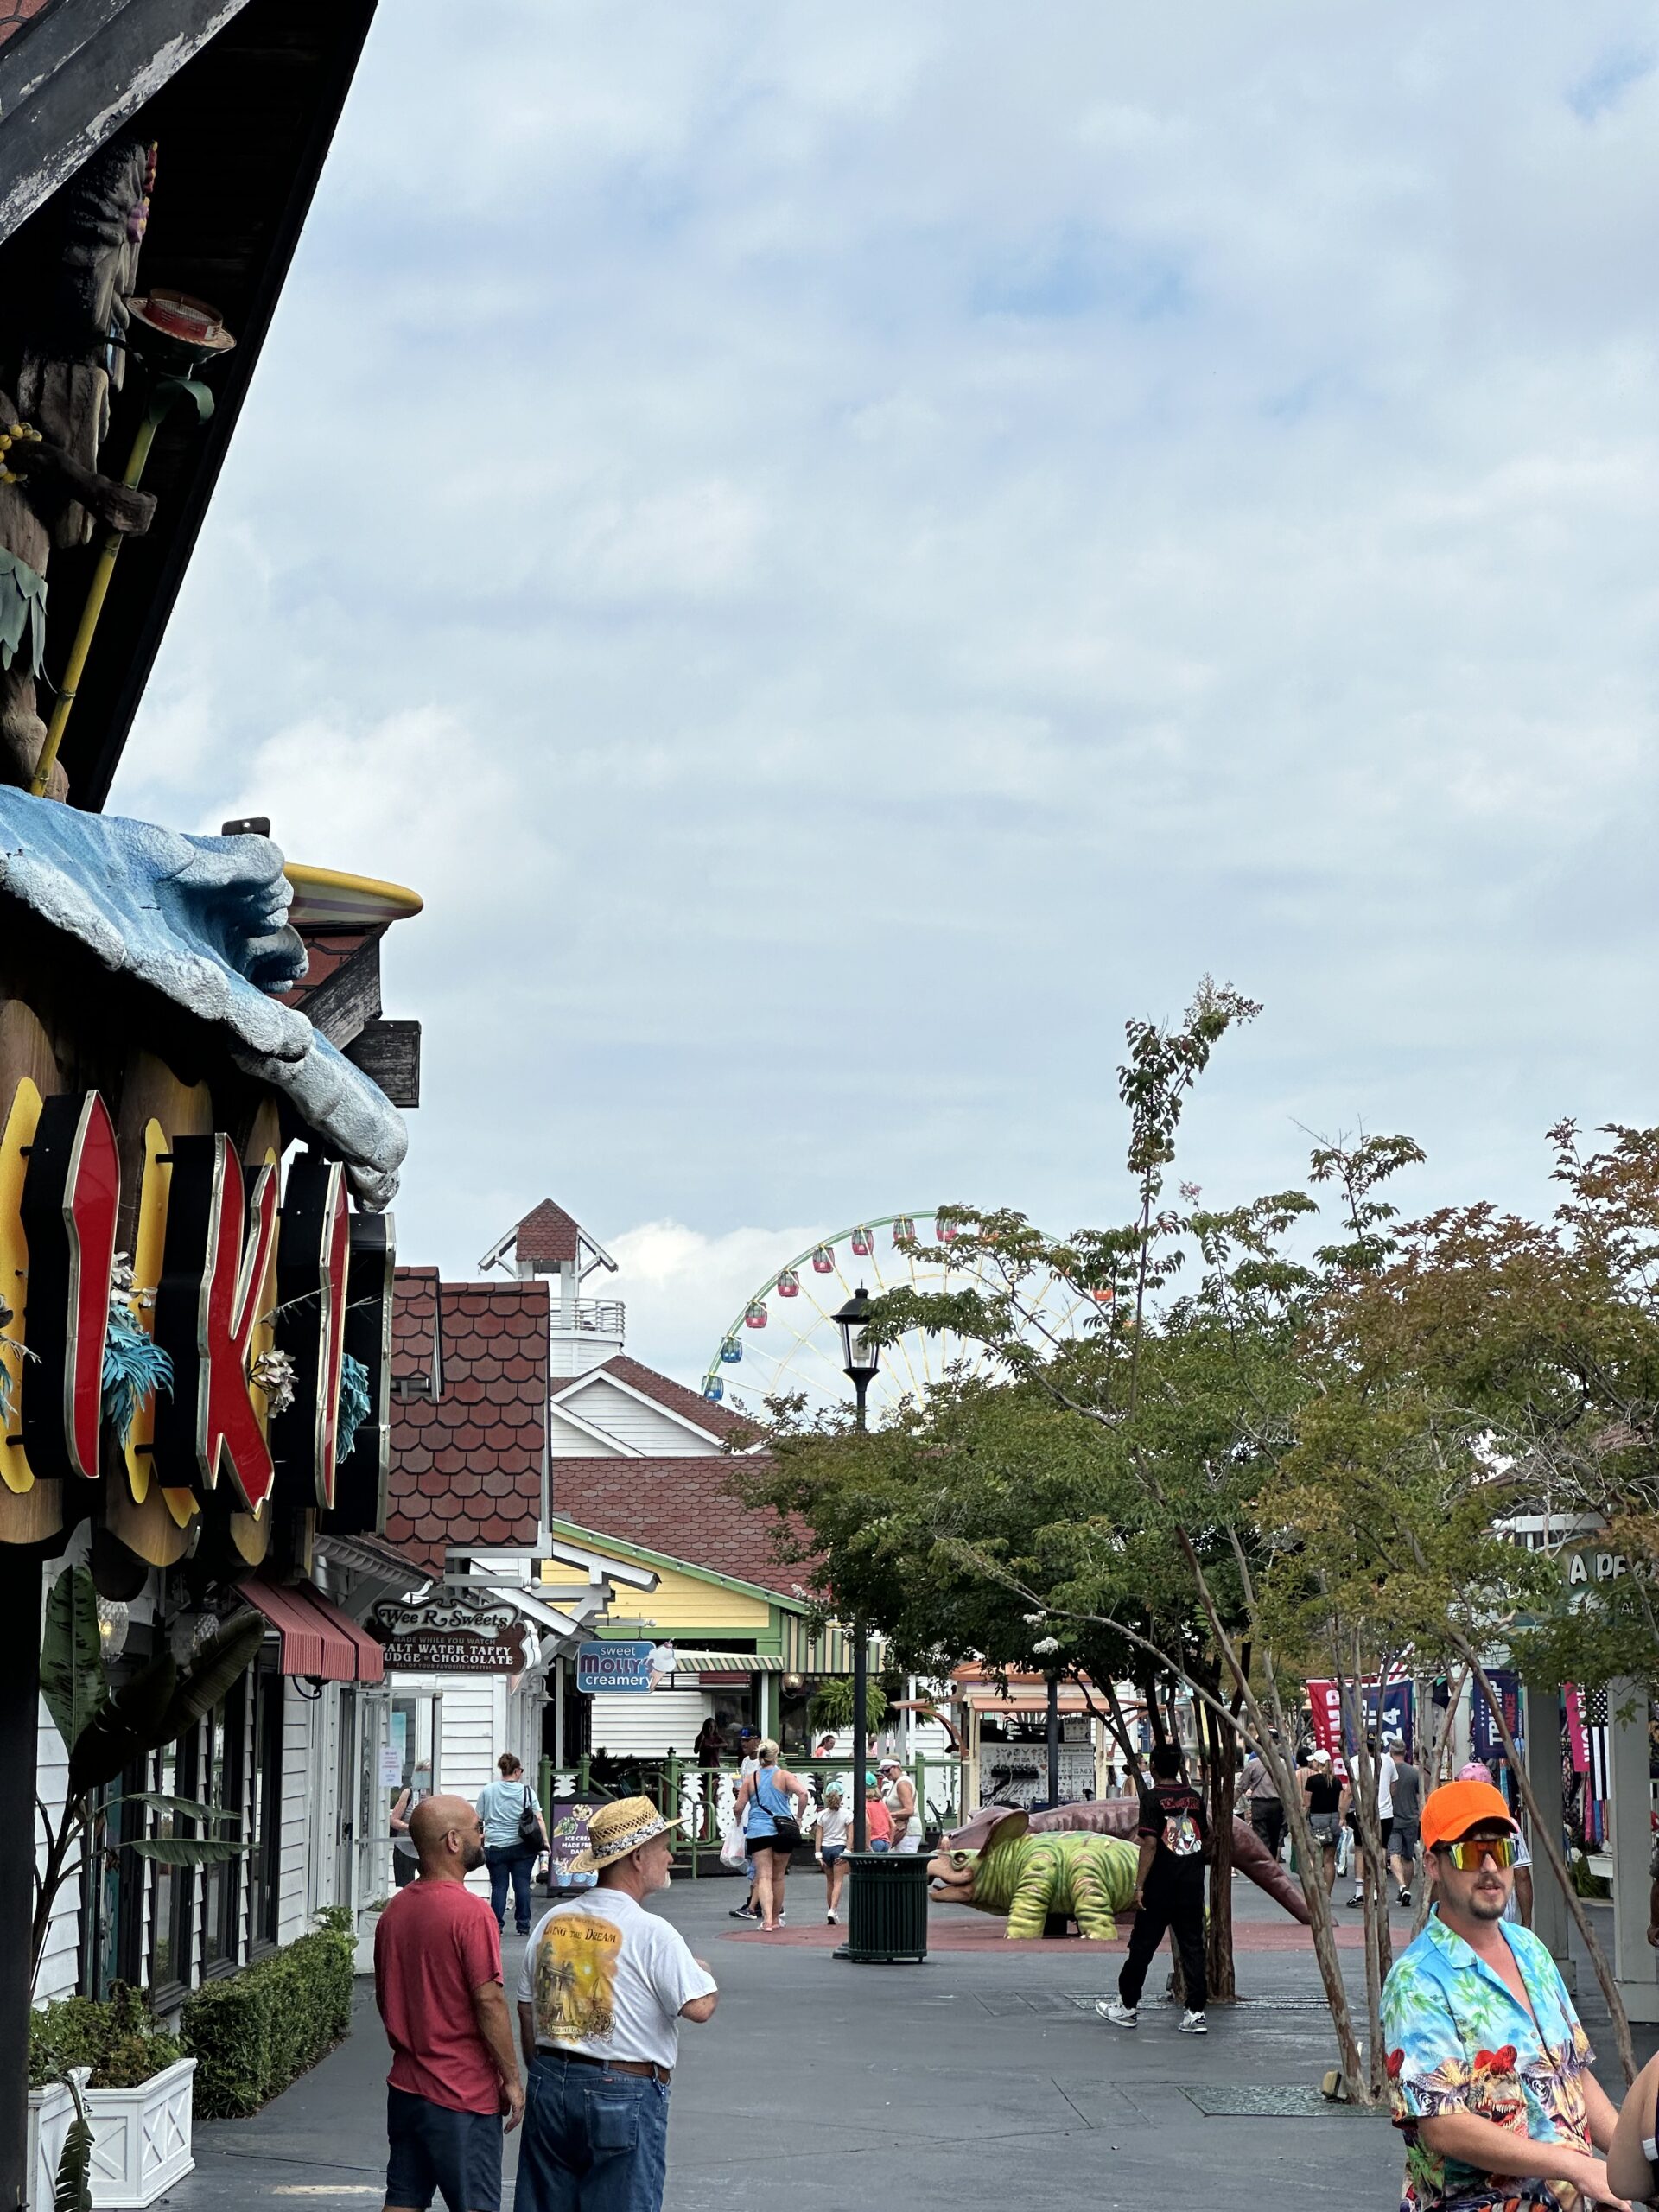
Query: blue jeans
x=513 y=1862
x=594 y=2141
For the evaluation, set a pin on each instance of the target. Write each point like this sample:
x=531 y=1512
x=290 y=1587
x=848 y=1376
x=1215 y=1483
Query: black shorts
x=757 y=1844
x=435 y=2151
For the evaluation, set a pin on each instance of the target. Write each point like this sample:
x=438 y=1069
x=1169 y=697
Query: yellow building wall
x=681 y=1602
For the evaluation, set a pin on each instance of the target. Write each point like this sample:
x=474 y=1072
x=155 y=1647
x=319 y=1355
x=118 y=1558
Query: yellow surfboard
x=326 y=898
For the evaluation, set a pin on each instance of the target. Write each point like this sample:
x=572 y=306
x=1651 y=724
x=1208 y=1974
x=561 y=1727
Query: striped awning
x=727 y=1662
x=316 y=1639
x=830 y=1652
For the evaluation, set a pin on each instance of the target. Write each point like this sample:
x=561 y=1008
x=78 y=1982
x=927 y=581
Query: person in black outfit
x=1168 y=1893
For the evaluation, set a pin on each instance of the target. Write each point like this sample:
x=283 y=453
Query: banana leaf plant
x=107 y=1731
x=74 y=2189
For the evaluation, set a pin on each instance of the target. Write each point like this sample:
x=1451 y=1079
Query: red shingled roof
x=547 y=1235
x=682 y=1506
x=691 y=1405
x=415 y=1330
x=14 y=13
x=467 y=1470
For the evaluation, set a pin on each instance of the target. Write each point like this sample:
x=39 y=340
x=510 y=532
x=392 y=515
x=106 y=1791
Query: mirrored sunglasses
x=1467 y=1854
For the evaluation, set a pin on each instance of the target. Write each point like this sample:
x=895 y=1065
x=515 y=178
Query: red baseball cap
x=1456 y=1807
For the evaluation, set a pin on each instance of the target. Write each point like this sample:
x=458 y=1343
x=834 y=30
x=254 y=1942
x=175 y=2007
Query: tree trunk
x=1310 y=1862
x=1219 y=1927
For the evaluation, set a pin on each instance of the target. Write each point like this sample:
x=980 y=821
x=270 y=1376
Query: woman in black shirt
x=1326 y=1799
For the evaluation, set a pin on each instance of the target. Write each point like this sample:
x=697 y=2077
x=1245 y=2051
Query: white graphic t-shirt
x=608 y=1978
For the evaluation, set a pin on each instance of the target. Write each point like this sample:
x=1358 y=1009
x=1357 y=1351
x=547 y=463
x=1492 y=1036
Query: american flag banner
x=1595 y=1716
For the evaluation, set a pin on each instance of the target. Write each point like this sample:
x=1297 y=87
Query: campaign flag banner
x=614 y=1667
x=1483 y=1729
x=1398 y=1710
x=1324 y=1707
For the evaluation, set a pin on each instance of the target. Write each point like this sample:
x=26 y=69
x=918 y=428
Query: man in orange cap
x=1489 y=2068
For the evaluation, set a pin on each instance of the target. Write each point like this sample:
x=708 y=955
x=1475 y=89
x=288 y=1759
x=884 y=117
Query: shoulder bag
x=530 y=1822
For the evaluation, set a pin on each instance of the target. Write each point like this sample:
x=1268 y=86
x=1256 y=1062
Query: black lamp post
x=860 y=1356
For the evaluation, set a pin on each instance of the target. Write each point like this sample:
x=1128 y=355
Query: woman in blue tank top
x=775 y=1804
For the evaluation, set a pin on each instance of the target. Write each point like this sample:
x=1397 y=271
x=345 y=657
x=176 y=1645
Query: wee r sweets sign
x=455 y=1635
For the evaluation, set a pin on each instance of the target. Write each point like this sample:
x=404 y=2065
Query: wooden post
x=20 y=1696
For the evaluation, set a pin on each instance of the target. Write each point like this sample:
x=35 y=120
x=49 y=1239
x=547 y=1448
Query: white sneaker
x=1193 y=2023
x=1121 y=2016
x=831 y=1920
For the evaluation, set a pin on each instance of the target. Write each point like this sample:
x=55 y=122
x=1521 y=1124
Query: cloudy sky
x=846 y=551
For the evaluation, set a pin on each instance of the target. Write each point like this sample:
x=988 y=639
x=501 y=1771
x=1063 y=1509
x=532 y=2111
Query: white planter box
x=50 y=2111
x=140 y=2139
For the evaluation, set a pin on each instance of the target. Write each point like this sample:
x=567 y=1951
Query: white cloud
x=845 y=554
x=684 y=1290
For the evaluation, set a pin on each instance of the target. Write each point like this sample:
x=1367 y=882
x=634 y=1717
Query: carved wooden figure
x=54 y=416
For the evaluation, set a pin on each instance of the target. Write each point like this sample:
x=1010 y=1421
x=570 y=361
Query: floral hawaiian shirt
x=1458 y=2041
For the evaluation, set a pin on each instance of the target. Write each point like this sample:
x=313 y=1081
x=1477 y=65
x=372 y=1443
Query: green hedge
x=118 y=2040
x=256 y=2031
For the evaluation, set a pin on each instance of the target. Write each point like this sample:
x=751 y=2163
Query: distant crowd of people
x=776 y=1811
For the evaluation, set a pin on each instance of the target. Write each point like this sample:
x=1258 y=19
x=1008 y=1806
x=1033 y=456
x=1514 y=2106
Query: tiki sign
x=458 y=1635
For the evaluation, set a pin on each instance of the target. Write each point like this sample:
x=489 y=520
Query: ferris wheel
x=785 y=1340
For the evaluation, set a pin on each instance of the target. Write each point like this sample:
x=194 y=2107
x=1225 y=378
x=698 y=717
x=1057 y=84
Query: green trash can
x=887 y=1908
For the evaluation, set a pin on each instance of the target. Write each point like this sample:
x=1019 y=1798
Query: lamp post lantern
x=860 y=1356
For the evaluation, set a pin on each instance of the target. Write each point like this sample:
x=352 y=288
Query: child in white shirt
x=829 y=1847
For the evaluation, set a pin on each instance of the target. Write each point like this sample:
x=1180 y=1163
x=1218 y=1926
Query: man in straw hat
x=605 y=1986
x=437 y=1981
x=1489 y=2068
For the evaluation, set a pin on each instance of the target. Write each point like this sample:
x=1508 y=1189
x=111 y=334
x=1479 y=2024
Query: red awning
x=317 y=1639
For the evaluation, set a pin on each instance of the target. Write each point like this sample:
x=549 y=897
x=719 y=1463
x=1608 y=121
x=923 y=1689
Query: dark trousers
x=1175 y=1909
x=1268 y=1818
x=514 y=1863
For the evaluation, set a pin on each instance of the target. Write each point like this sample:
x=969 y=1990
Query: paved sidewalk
x=982 y=2078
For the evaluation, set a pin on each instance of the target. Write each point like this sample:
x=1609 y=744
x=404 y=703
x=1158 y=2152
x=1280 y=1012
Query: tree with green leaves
x=105 y=1732
x=1199 y=1481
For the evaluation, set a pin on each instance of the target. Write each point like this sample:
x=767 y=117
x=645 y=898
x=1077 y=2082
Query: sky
x=848 y=552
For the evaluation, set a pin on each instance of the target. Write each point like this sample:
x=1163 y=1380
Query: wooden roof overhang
x=242 y=97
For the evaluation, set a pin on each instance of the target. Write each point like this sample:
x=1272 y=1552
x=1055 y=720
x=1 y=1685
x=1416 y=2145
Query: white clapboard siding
x=647 y=1724
x=293 y=1915
x=633 y=1422
x=566 y=1441
x=474 y=1720
x=474 y=1731
x=60 y=1965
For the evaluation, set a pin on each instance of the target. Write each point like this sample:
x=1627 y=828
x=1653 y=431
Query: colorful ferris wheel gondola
x=713 y=1389
x=800 y=1353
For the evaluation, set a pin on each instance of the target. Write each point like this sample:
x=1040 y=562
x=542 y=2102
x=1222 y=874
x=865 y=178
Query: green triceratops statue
x=1088 y=1878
